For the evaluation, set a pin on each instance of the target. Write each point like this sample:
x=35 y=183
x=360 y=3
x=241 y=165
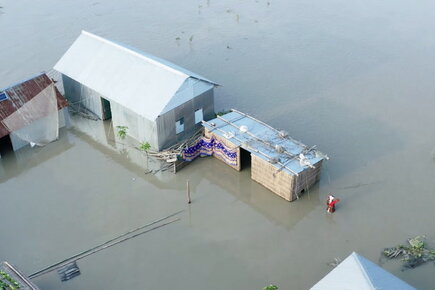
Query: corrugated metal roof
x=188 y=90
x=23 y=92
x=129 y=77
x=356 y=272
x=228 y=126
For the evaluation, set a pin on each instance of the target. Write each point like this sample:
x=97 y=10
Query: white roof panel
x=358 y=273
x=126 y=76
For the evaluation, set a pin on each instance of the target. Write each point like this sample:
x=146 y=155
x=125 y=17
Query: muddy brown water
x=354 y=77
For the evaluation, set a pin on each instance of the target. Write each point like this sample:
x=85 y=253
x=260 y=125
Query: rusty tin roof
x=19 y=94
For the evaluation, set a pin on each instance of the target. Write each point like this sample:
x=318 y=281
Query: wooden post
x=189 y=201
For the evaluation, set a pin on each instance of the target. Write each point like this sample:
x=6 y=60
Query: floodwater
x=356 y=78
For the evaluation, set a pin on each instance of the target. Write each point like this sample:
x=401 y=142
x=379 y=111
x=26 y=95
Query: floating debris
x=229 y=47
x=68 y=271
x=335 y=262
x=191 y=38
x=412 y=255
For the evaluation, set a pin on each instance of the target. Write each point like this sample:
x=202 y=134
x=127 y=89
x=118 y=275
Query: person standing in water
x=330 y=203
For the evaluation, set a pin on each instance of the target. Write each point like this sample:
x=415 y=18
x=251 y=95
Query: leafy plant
x=145 y=146
x=413 y=254
x=271 y=287
x=122 y=131
x=7 y=282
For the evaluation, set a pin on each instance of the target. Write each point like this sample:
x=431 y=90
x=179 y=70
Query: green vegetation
x=413 y=254
x=271 y=287
x=122 y=131
x=221 y=113
x=145 y=146
x=7 y=282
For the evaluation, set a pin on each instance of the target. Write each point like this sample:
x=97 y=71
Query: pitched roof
x=358 y=273
x=143 y=83
x=18 y=95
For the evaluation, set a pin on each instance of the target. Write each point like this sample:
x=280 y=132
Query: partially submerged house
x=285 y=166
x=31 y=112
x=356 y=272
x=160 y=102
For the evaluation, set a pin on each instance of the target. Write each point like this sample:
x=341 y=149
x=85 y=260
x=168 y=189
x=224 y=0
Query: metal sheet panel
x=122 y=75
x=21 y=93
x=356 y=272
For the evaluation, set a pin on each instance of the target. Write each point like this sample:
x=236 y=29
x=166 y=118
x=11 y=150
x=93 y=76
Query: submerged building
x=31 y=112
x=285 y=166
x=356 y=272
x=159 y=102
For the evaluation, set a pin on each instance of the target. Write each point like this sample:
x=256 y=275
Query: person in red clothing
x=330 y=203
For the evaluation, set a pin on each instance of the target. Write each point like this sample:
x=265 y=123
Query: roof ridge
x=357 y=258
x=130 y=51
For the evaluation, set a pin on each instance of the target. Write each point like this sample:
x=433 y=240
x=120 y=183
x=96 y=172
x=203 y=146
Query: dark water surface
x=354 y=77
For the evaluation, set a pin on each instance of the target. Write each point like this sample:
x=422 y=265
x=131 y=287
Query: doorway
x=107 y=111
x=5 y=145
x=245 y=159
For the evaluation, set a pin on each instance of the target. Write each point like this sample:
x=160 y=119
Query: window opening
x=179 y=126
x=199 y=116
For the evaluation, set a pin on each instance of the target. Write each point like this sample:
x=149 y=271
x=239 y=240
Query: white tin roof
x=133 y=79
x=358 y=273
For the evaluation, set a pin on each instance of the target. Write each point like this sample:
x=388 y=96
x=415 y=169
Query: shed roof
x=264 y=142
x=138 y=81
x=356 y=272
x=19 y=94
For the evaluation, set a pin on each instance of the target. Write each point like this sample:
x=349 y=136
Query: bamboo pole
x=103 y=246
x=189 y=201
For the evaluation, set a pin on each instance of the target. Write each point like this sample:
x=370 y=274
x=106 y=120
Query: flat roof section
x=265 y=142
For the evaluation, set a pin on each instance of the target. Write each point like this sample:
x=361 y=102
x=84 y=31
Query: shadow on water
x=245 y=190
x=131 y=159
x=13 y=164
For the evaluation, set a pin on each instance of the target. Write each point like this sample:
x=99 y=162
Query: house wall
x=307 y=178
x=79 y=94
x=139 y=128
x=18 y=143
x=229 y=145
x=166 y=122
x=266 y=174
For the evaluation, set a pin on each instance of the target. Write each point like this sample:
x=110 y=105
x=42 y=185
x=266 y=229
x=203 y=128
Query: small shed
x=285 y=166
x=159 y=102
x=356 y=272
x=31 y=112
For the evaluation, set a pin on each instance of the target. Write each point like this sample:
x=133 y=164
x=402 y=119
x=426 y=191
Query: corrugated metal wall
x=166 y=122
x=139 y=128
x=78 y=94
x=161 y=133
